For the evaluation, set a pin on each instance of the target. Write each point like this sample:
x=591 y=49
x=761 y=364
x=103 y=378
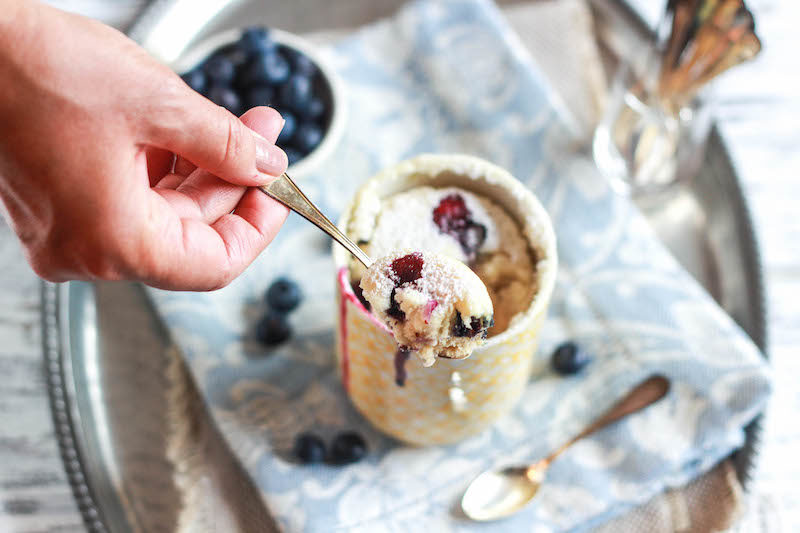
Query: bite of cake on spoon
x=434 y=305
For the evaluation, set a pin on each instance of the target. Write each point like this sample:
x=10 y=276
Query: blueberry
x=309 y=448
x=220 y=70
x=225 y=97
x=296 y=92
x=270 y=68
x=394 y=310
x=283 y=295
x=347 y=447
x=471 y=237
x=196 y=79
x=315 y=108
x=289 y=127
x=476 y=325
x=301 y=63
x=357 y=290
x=307 y=136
x=258 y=95
x=569 y=358
x=294 y=155
x=256 y=40
x=233 y=53
x=273 y=328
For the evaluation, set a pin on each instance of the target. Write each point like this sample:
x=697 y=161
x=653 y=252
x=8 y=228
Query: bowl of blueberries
x=257 y=66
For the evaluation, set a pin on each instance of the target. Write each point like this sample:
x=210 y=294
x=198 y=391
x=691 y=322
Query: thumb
x=214 y=139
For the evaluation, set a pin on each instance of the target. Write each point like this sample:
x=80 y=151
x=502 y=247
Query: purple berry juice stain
x=400 y=358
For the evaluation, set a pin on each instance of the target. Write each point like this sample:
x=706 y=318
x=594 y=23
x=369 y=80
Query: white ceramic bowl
x=197 y=53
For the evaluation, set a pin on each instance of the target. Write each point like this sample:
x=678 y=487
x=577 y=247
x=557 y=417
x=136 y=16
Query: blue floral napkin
x=449 y=76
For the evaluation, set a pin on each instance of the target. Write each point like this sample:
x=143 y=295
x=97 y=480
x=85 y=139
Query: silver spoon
x=286 y=191
x=501 y=493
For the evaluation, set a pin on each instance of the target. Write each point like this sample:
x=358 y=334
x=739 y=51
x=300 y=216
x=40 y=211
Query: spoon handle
x=649 y=391
x=285 y=191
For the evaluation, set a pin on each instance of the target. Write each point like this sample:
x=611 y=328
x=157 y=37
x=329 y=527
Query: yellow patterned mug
x=453 y=399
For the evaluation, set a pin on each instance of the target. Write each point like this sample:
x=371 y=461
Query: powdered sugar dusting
x=391 y=230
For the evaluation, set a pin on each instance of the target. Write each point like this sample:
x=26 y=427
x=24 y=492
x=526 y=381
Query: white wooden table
x=759 y=116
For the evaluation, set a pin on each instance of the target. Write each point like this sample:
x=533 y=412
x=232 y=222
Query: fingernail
x=269 y=158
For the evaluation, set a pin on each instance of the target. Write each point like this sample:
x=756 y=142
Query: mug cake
x=468 y=211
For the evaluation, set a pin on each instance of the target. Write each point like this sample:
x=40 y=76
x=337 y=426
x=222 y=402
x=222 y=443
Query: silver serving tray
x=112 y=377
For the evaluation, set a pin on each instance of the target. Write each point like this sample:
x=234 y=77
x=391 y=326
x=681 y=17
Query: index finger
x=189 y=254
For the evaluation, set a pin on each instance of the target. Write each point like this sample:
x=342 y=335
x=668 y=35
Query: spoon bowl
x=500 y=493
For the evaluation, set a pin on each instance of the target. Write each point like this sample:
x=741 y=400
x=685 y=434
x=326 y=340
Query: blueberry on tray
x=569 y=358
x=273 y=328
x=283 y=295
x=309 y=448
x=347 y=447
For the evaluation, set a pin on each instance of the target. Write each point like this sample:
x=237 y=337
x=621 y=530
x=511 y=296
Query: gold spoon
x=500 y=493
x=286 y=191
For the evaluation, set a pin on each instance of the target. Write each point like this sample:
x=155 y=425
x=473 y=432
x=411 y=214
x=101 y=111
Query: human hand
x=89 y=176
